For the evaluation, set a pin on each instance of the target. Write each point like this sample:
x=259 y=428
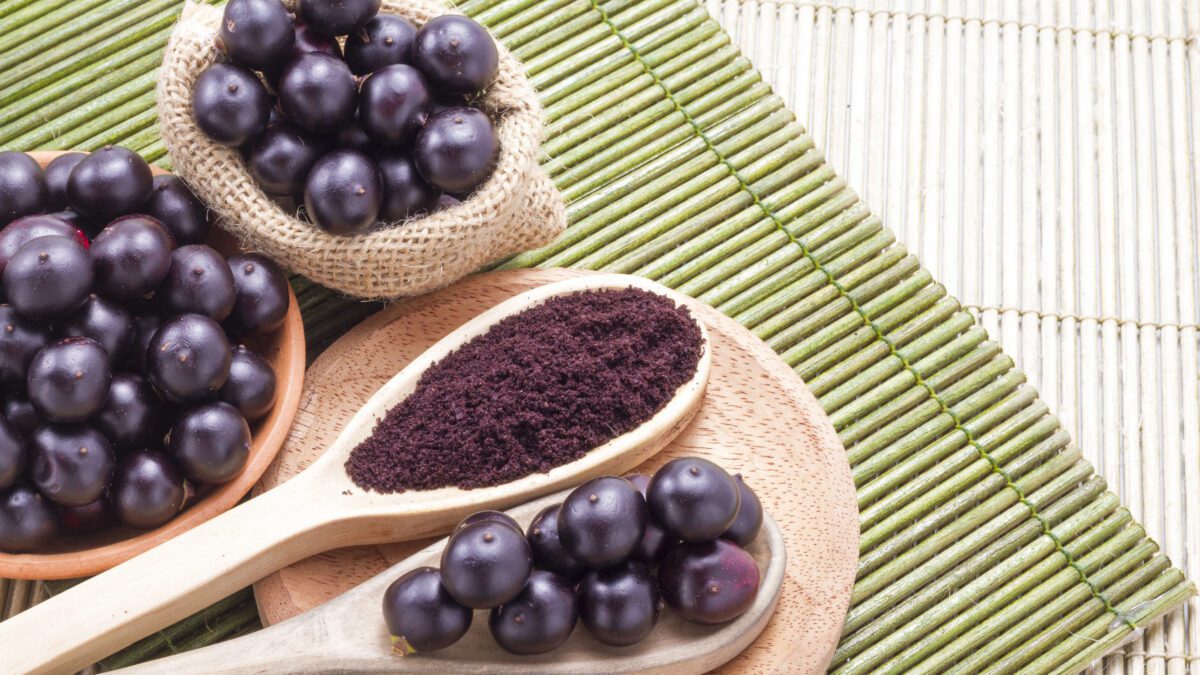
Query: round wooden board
x=757 y=418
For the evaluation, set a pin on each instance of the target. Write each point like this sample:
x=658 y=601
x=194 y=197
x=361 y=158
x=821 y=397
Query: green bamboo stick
x=699 y=211
x=1156 y=580
x=17 y=11
x=161 y=642
x=892 y=559
x=30 y=118
x=614 y=212
x=41 y=30
x=720 y=252
x=997 y=411
x=1077 y=652
x=963 y=467
x=864 y=267
x=950 y=370
x=931 y=511
x=633 y=142
x=92 y=117
x=878 y=423
x=871 y=621
x=1040 y=610
x=62 y=70
x=938 y=602
x=841 y=385
x=1104 y=545
x=516 y=23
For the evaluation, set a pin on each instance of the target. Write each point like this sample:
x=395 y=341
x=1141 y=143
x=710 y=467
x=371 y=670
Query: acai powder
x=537 y=390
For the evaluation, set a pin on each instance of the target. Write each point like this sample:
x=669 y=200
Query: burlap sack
x=517 y=209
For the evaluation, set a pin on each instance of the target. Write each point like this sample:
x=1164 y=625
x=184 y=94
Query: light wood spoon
x=318 y=510
x=348 y=634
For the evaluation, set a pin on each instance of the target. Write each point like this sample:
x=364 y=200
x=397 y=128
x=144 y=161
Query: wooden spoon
x=318 y=510
x=347 y=634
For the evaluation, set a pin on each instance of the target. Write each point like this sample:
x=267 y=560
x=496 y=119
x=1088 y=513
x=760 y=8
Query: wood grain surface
x=758 y=418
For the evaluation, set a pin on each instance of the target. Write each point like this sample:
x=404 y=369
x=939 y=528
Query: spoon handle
x=169 y=582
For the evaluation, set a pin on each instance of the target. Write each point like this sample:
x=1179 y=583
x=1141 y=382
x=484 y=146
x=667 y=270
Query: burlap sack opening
x=517 y=209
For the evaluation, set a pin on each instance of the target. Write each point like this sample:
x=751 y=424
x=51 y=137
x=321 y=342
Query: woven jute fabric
x=518 y=208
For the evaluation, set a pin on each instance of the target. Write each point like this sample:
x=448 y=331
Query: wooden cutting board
x=757 y=418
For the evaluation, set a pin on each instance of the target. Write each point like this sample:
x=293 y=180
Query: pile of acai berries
x=124 y=379
x=592 y=557
x=366 y=135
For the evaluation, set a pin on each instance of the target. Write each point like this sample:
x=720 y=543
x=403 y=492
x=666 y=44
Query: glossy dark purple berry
x=457 y=54
x=20 y=339
x=188 y=358
x=488 y=516
x=230 y=104
x=198 y=282
x=709 y=582
x=353 y=137
x=87 y=519
x=405 y=193
x=57 y=171
x=602 y=521
x=337 y=17
x=257 y=33
x=22 y=415
x=392 y=104
x=104 y=321
x=145 y=325
x=655 y=543
x=71 y=464
x=548 y=551
x=28 y=521
x=48 y=277
x=538 y=620
x=68 y=381
x=22 y=186
x=174 y=204
x=147 y=489
x=385 y=40
x=693 y=499
x=486 y=564
x=318 y=92
x=211 y=441
x=279 y=159
x=251 y=384
x=109 y=182
x=309 y=41
x=420 y=614
x=131 y=257
x=343 y=192
x=749 y=517
x=456 y=150
x=13 y=455
x=261 y=290
x=619 y=604
x=132 y=414
x=23 y=230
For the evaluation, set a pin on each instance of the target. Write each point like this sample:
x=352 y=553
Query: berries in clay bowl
x=384 y=148
x=92 y=422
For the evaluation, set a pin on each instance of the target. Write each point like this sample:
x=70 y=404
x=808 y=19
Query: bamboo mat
x=987 y=542
x=1069 y=134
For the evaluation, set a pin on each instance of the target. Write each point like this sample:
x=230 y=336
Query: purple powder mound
x=538 y=390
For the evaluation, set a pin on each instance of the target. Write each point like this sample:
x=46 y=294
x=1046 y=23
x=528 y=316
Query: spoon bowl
x=318 y=510
x=348 y=633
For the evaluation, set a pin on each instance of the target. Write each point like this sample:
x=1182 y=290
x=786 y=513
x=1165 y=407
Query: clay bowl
x=74 y=557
